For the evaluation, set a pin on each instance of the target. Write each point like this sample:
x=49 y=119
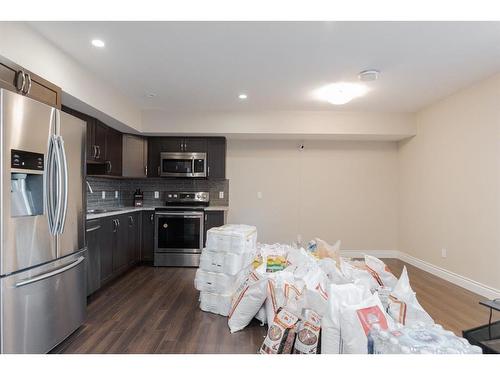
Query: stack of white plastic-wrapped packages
x=224 y=264
x=315 y=301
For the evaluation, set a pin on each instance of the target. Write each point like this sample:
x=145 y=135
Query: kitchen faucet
x=90 y=187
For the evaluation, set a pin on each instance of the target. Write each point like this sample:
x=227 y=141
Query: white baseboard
x=452 y=277
x=462 y=281
x=375 y=253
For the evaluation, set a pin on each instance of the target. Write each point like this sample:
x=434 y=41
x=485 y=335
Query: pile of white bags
x=224 y=265
x=314 y=301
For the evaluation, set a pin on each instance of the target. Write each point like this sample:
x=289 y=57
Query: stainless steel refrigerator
x=42 y=225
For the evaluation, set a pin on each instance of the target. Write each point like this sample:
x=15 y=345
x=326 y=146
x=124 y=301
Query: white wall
x=449 y=178
x=19 y=43
x=283 y=124
x=333 y=190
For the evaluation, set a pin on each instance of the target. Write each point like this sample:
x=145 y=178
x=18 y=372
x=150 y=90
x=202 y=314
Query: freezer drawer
x=42 y=306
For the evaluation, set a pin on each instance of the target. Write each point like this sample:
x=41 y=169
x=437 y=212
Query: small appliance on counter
x=138 y=198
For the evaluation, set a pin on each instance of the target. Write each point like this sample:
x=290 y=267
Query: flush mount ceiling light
x=368 y=75
x=150 y=95
x=340 y=92
x=98 y=43
x=242 y=96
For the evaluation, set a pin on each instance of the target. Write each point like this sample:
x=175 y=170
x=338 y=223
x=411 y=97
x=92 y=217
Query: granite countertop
x=125 y=210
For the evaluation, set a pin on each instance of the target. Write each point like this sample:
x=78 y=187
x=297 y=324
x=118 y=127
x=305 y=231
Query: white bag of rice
x=403 y=304
x=247 y=301
x=380 y=272
x=215 y=303
x=334 y=273
x=281 y=290
x=345 y=294
x=261 y=315
x=356 y=321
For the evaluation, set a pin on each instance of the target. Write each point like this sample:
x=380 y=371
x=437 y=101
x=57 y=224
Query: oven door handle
x=184 y=214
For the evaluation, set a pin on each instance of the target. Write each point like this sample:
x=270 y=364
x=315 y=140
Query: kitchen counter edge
x=126 y=210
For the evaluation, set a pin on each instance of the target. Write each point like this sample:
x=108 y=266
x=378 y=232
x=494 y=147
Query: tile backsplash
x=126 y=188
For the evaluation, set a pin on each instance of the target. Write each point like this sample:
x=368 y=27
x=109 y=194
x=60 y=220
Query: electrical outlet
x=103 y=194
x=157 y=194
x=116 y=194
x=259 y=195
x=221 y=195
x=443 y=253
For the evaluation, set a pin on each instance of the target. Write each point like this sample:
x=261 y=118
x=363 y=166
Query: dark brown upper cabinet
x=216 y=154
x=104 y=146
x=114 y=150
x=15 y=78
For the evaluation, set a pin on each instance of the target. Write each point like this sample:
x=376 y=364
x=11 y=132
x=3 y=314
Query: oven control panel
x=188 y=197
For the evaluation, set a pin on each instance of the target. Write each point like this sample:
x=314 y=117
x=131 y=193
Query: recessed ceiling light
x=368 y=75
x=340 y=92
x=243 y=96
x=98 y=43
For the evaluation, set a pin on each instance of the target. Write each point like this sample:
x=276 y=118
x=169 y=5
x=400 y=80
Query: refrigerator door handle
x=48 y=185
x=64 y=179
x=59 y=185
x=51 y=273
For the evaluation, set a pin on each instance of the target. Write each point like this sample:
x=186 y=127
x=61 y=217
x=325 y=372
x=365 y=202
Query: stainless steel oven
x=183 y=164
x=178 y=237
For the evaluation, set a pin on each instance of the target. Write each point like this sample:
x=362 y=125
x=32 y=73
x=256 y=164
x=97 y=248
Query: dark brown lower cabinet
x=107 y=241
x=147 y=236
x=113 y=246
x=212 y=219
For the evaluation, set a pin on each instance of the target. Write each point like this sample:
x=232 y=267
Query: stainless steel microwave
x=183 y=164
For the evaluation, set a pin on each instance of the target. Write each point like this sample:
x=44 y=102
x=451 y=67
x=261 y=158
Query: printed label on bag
x=370 y=316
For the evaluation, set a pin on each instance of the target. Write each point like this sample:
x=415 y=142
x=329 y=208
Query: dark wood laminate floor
x=155 y=310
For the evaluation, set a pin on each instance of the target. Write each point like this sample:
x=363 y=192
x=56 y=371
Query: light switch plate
x=157 y=194
x=259 y=195
x=443 y=253
x=221 y=195
x=103 y=194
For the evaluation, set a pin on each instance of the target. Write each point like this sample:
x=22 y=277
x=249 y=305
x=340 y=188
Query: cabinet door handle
x=158 y=171
x=182 y=146
x=151 y=218
x=146 y=170
x=98 y=156
x=108 y=163
x=20 y=81
x=118 y=222
x=93 y=228
x=131 y=219
x=115 y=225
x=208 y=172
x=27 y=89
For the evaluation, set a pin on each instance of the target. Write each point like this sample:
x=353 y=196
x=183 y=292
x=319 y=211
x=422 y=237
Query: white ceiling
x=200 y=66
